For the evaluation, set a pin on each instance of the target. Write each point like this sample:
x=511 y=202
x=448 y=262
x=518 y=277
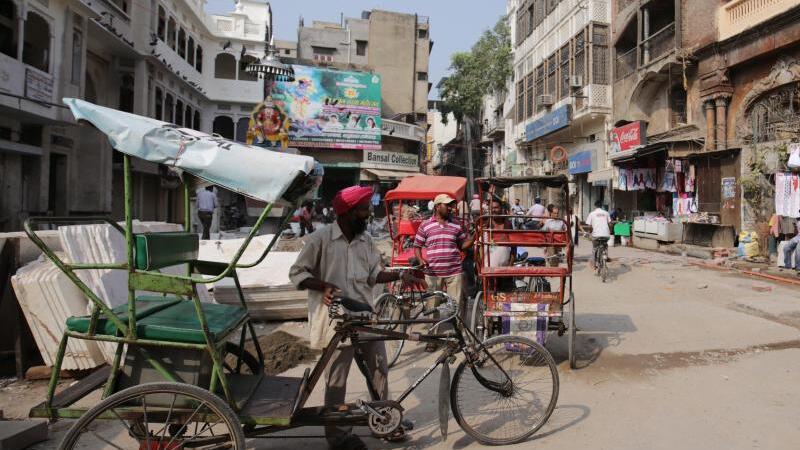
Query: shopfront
x=383 y=170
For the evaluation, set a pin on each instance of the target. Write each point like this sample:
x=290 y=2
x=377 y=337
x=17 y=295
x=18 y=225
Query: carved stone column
x=711 y=132
x=722 y=122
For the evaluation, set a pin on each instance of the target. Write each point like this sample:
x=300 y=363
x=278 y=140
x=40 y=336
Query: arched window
x=171 y=33
x=126 y=93
x=169 y=109
x=241 y=129
x=159 y=104
x=190 y=52
x=187 y=117
x=198 y=61
x=225 y=66
x=162 y=23
x=243 y=63
x=179 y=113
x=36 y=43
x=196 y=121
x=182 y=43
x=223 y=126
x=8 y=28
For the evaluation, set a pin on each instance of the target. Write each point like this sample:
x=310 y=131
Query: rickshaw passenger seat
x=145 y=306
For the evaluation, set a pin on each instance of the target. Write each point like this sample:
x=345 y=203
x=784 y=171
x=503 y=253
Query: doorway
x=57 y=195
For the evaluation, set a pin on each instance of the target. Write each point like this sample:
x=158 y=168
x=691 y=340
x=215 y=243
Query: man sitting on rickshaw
x=554 y=223
x=500 y=255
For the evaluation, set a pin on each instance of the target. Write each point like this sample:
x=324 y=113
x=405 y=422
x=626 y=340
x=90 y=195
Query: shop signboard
x=374 y=159
x=580 y=162
x=550 y=122
x=326 y=108
x=625 y=140
x=38 y=86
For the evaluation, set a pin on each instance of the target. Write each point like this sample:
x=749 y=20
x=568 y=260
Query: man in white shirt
x=600 y=221
x=538 y=212
x=206 y=204
x=517 y=210
x=554 y=223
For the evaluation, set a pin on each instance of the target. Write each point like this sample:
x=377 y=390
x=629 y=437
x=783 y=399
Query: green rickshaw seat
x=145 y=306
x=164 y=249
x=179 y=323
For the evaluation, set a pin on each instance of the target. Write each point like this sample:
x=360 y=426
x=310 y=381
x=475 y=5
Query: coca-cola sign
x=626 y=139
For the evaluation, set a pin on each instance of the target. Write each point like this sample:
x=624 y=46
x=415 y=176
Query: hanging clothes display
x=787 y=194
x=689 y=179
x=622 y=179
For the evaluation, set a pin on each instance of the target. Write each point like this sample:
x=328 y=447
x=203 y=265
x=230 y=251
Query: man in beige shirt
x=342 y=260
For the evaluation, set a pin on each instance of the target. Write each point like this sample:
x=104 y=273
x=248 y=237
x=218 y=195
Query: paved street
x=671 y=356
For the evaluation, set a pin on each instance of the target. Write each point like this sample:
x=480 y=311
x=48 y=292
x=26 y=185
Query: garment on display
x=787 y=194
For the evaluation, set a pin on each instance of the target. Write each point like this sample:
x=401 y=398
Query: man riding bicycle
x=600 y=221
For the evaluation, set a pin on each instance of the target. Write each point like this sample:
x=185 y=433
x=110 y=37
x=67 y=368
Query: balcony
x=658 y=45
x=402 y=130
x=740 y=15
x=116 y=25
x=595 y=98
x=493 y=128
x=625 y=64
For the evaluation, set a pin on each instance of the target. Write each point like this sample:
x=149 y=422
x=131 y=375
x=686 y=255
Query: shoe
x=351 y=442
x=407 y=424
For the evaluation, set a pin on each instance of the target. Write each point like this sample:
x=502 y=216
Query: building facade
x=397 y=47
x=710 y=87
x=562 y=94
x=163 y=59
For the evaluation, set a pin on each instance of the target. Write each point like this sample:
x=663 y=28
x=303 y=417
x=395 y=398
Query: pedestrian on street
x=600 y=221
x=790 y=248
x=342 y=260
x=306 y=218
x=538 y=213
x=444 y=238
x=206 y=204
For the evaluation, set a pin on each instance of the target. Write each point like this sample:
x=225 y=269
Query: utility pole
x=468 y=145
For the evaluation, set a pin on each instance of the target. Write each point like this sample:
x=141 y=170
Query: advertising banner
x=626 y=139
x=321 y=108
x=550 y=122
x=580 y=162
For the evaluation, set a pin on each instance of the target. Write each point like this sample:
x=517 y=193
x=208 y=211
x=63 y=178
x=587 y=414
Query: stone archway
x=784 y=72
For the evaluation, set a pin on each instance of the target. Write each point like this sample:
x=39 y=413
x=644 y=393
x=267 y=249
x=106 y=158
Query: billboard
x=625 y=140
x=321 y=108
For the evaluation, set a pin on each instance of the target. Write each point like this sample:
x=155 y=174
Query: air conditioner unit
x=547 y=166
x=544 y=100
x=529 y=172
x=576 y=81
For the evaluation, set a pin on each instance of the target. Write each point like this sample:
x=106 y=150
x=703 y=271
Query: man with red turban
x=342 y=260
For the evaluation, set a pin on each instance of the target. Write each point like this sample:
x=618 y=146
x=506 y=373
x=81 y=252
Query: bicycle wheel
x=157 y=416
x=478 y=323
x=603 y=266
x=495 y=418
x=389 y=307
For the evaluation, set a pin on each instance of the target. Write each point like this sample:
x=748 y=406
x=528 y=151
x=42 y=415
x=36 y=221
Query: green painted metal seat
x=145 y=306
x=179 y=323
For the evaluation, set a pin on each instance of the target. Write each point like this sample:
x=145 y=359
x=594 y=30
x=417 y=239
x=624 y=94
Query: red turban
x=348 y=198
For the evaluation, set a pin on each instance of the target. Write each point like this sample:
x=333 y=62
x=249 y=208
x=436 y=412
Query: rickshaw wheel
x=389 y=308
x=203 y=419
x=573 y=329
x=478 y=323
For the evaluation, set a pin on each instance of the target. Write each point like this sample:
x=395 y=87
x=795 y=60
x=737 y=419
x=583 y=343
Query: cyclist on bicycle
x=600 y=221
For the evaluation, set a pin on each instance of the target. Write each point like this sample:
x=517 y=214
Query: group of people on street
x=342 y=260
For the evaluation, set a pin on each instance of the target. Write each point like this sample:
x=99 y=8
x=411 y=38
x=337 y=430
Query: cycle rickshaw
x=181 y=377
x=530 y=307
x=403 y=301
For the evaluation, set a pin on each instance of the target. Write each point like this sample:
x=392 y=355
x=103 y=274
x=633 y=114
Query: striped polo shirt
x=443 y=246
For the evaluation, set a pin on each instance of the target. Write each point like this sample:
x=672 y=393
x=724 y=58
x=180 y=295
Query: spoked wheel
x=240 y=361
x=389 y=307
x=603 y=266
x=514 y=413
x=478 y=323
x=163 y=416
x=573 y=329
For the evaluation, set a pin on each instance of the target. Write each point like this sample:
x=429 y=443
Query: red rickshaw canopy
x=426 y=187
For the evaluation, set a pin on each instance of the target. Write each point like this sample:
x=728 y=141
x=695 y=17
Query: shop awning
x=600 y=175
x=385 y=175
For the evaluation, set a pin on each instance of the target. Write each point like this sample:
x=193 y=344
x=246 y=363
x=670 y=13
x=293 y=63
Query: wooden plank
x=82 y=388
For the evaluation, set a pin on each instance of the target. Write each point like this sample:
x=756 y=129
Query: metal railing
x=658 y=44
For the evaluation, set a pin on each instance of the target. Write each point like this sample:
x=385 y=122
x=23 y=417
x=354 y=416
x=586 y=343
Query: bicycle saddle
x=355 y=305
x=536 y=261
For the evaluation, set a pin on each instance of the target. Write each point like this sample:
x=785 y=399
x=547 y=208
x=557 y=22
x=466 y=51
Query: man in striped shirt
x=443 y=238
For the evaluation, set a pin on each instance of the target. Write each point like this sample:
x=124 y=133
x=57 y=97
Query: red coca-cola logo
x=627 y=137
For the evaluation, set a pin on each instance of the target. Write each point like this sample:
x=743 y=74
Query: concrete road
x=671 y=356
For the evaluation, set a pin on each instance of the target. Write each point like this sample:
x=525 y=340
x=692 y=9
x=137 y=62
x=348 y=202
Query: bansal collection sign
x=625 y=140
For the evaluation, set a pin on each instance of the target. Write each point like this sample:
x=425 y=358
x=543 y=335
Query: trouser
x=597 y=244
x=375 y=368
x=452 y=285
x=787 y=253
x=205 y=219
x=306 y=226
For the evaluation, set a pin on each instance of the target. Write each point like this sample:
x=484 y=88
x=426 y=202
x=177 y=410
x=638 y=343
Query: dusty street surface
x=671 y=356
